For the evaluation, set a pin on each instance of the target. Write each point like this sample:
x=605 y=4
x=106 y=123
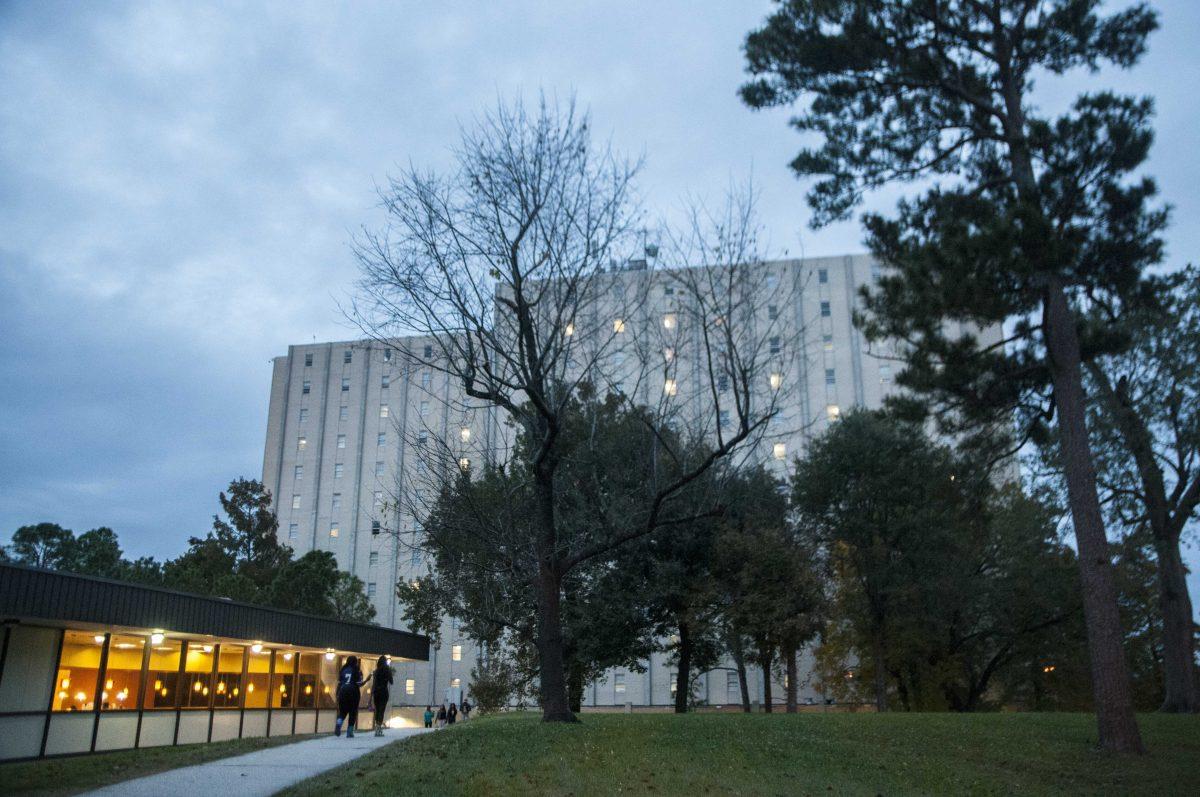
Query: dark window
x=722 y=383
x=830 y=377
x=347 y=356
x=306 y=387
x=375 y=528
x=387 y=355
x=308 y=360
x=822 y=275
x=428 y=352
x=345 y=384
x=825 y=311
x=775 y=345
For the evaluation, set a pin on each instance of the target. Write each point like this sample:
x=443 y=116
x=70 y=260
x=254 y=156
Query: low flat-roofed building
x=90 y=664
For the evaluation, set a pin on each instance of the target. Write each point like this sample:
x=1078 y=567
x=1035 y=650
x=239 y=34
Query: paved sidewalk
x=258 y=774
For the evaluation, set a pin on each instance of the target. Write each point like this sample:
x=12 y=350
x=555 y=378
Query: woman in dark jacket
x=350 y=680
x=381 y=682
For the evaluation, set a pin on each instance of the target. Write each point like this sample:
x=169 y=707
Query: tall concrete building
x=344 y=418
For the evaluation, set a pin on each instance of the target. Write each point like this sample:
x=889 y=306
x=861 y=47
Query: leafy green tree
x=350 y=601
x=42 y=545
x=1035 y=217
x=306 y=584
x=96 y=553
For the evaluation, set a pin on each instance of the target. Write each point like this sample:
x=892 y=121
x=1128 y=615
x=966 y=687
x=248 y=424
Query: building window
x=723 y=419
x=162 y=677
x=732 y=687
x=722 y=383
x=343 y=413
x=341 y=441
x=669 y=321
x=299 y=472
x=456 y=653
x=424 y=408
x=619 y=683
x=296 y=501
x=823 y=275
x=668 y=290
x=827 y=340
x=772 y=311
x=293 y=531
x=618 y=325
x=383 y=410
x=772 y=281
x=426 y=379
x=455 y=683
x=345 y=384
x=428 y=352
x=776 y=380
x=379 y=468
x=303 y=414
x=780 y=451
x=387 y=355
x=375 y=528
x=347 y=356
x=832 y=412
x=415 y=559
x=306 y=386
x=825 y=310
x=410 y=686
x=308 y=360
x=333 y=529
x=464 y=464
x=830 y=376
x=776 y=346
x=381 y=439
x=78 y=669
x=301 y=443
x=378 y=499
x=122 y=673
x=338 y=470
x=385 y=381
x=669 y=354
x=569 y=330
x=674 y=676
x=371 y=589
x=337 y=501
x=670 y=387
x=885 y=373
x=464 y=434
x=373 y=558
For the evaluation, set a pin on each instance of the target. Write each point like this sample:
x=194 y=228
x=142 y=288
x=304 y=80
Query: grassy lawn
x=74 y=774
x=776 y=754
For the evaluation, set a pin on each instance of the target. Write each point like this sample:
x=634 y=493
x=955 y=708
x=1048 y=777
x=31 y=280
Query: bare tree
x=513 y=271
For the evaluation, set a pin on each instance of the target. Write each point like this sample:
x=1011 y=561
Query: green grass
x=700 y=754
x=74 y=774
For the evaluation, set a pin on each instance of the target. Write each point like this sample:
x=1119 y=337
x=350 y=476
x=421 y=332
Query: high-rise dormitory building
x=343 y=418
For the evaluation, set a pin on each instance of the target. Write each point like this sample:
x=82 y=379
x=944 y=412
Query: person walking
x=429 y=716
x=381 y=683
x=349 y=694
x=466 y=709
x=452 y=714
x=441 y=717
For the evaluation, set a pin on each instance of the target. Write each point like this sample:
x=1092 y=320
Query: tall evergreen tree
x=1028 y=218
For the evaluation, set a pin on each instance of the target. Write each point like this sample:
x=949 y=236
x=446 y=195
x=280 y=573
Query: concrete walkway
x=261 y=773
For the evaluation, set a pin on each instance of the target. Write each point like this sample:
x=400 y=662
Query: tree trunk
x=575 y=687
x=1110 y=677
x=739 y=661
x=683 y=678
x=556 y=705
x=766 y=653
x=789 y=653
x=880 y=672
x=1179 y=653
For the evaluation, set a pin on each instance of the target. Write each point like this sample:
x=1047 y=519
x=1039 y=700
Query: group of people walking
x=446 y=715
x=349 y=695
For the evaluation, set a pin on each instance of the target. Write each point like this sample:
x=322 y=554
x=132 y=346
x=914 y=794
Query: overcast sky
x=179 y=184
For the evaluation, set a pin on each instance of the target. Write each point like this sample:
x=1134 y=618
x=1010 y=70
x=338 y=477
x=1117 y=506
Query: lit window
x=308 y=360
x=825 y=310
x=456 y=653
x=379 y=468
x=723 y=418
x=378 y=499
x=668 y=354
x=776 y=380
x=341 y=441
x=428 y=351
x=674 y=682
x=383 y=410
x=375 y=528
x=885 y=373
x=780 y=451
x=827 y=340
x=303 y=414
x=670 y=387
x=345 y=384
x=772 y=311
x=299 y=472
x=410 y=686
x=347 y=356
x=343 y=413
x=619 y=325
x=373 y=559
x=426 y=379
x=371 y=589
x=306 y=386
x=381 y=439
x=78 y=669
x=830 y=376
x=385 y=381
x=301 y=443
x=823 y=275
x=455 y=683
x=333 y=529
x=832 y=412
x=619 y=683
x=293 y=530
x=464 y=434
x=337 y=501
x=424 y=408
x=669 y=321
x=296 y=501
x=339 y=470
x=464 y=464
x=570 y=330
x=776 y=346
